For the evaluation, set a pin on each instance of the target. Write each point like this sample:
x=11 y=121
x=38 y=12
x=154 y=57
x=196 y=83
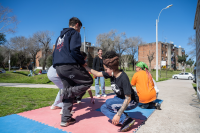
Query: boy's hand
x=92 y=100
x=84 y=65
x=115 y=119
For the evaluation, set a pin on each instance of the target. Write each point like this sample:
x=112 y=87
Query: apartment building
x=167 y=52
x=91 y=52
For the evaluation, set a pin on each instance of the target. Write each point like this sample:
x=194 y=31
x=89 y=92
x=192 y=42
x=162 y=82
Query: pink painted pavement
x=88 y=120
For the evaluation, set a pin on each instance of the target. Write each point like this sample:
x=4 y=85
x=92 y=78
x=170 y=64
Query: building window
x=162 y=52
x=162 y=58
x=162 y=45
x=166 y=59
x=165 y=46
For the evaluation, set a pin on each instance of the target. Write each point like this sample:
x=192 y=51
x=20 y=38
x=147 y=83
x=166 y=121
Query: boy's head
x=110 y=61
x=100 y=52
x=84 y=55
x=75 y=23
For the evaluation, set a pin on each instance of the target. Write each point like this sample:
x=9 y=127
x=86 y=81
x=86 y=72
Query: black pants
x=76 y=80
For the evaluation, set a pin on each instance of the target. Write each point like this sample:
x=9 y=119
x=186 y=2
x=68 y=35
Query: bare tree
x=150 y=58
x=113 y=41
x=192 y=43
x=134 y=42
x=105 y=40
x=121 y=44
x=44 y=38
x=8 y=21
x=19 y=45
x=33 y=48
x=125 y=59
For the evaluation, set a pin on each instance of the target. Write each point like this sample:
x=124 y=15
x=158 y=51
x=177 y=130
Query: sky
x=134 y=17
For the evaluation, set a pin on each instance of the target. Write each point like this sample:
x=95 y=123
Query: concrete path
x=37 y=85
x=176 y=116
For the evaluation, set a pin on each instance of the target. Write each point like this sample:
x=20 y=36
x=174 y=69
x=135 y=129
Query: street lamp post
x=84 y=38
x=157 y=20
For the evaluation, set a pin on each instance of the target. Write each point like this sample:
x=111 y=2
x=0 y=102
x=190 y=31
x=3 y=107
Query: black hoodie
x=67 y=48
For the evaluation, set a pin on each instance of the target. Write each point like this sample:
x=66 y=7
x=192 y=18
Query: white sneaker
x=78 y=102
x=104 y=95
x=54 y=107
x=61 y=112
x=98 y=96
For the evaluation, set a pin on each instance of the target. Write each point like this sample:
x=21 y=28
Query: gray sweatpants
x=52 y=75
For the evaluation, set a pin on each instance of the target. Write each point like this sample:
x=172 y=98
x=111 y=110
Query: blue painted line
x=18 y=124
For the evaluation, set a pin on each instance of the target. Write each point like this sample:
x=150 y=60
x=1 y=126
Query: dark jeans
x=76 y=80
x=112 y=105
x=79 y=97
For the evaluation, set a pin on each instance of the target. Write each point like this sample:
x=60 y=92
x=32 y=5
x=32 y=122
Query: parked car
x=15 y=67
x=2 y=70
x=186 y=75
x=44 y=71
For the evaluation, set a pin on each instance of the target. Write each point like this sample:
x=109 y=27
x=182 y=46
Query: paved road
x=37 y=85
x=176 y=116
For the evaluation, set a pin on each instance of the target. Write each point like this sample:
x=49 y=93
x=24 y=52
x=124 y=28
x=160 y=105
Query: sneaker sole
x=130 y=125
x=65 y=125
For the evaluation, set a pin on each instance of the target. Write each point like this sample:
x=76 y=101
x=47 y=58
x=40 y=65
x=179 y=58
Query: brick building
x=166 y=52
x=40 y=55
x=91 y=52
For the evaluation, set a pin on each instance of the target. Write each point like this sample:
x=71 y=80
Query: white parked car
x=186 y=75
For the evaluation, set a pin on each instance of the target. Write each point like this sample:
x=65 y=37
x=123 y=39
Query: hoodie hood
x=65 y=30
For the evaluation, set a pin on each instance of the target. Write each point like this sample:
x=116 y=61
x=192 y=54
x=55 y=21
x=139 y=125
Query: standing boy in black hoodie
x=69 y=63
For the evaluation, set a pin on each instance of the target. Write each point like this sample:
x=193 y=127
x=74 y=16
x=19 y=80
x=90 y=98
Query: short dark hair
x=99 y=49
x=84 y=54
x=73 y=21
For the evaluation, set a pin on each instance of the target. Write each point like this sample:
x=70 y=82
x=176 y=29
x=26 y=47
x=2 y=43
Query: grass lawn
x=14 y=100
x=21 y=77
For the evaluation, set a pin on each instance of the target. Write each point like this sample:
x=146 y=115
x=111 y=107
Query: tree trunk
x=160 y=72
x=184 y=68
x=150 y=66
x=133 y=62
x=45 y=58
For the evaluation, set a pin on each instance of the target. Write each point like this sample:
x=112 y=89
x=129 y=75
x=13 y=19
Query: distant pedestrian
x=69 y=63
x=40 y=72
x=30 y=68
x=98 y=66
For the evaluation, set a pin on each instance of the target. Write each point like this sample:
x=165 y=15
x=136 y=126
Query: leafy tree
x=2 y=38
x=190 y=62
x=182 y=59
x=49 y=61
